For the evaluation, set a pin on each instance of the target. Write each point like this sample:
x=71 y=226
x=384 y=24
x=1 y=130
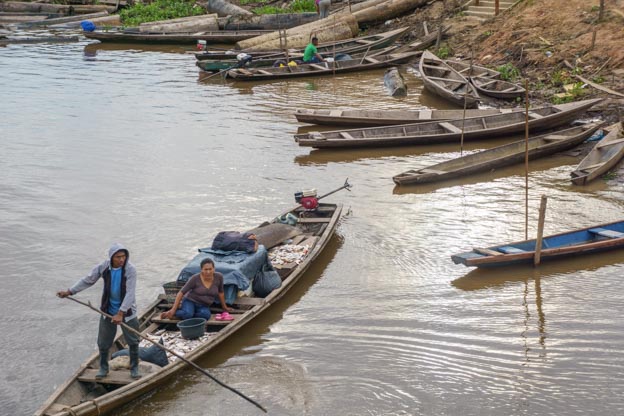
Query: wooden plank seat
x=488 y=83
x=449 y=127
x=346 y=135
x=534 y=115
x=371 y=60
x=510 y=89
x=592 y=167
x=554 y=137
x=56 y=408
x=486 y=252
x=246 y=300
x=447 y=80
x=511 y=250
x=611 y=143
x=317 y=66
x=313 y=220
x=606 y=233
x=262 y=71
x=119 y=377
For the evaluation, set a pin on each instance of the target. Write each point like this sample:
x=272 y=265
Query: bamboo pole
x=496 y=7
x=526 y=160
x=170 y=351
x=461 y=147
x=540 y=231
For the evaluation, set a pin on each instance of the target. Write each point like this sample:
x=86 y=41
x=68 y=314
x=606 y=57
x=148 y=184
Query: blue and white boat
x=572 y=243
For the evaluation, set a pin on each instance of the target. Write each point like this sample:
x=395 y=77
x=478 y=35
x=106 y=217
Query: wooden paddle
x=192 y=364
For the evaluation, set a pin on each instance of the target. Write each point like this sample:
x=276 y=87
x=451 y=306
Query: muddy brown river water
x=102 y=144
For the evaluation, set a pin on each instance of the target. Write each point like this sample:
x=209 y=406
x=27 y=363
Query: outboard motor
x=308 y=199
x=242 y=59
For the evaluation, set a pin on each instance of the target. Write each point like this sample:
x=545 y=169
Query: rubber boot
x=103 y=371
x=134 y=362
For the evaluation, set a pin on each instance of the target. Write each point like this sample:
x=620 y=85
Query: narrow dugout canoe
x=582 y=241
x=604 y=156
x=444 y=81
x=82 y=395
x=497 y=88
x=497 y=157
x=218 y=36
x=325 y=68
x=353 y=45
x=388 y=117
x=475 y=128
x=464 y=68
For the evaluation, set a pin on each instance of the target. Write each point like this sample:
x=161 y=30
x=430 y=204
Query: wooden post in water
x=540 y=231
x=526 y=160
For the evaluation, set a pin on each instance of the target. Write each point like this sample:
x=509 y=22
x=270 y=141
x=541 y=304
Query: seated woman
x=198 y=294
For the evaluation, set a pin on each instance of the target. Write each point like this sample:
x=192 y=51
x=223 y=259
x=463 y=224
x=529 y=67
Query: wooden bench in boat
x=606 y=233
x=488 y=83
x=371 y=60
x=119 y=377
x=510 y=89
x=449 y=127
x=262 y=71
x=591 y=167
x=535 y=115
x=511 y=250
x=612 y=142
x=554 y=137
x=447 y=79
x=346 y=135
x=313 y=220
x=487 y=252
x=317 y=66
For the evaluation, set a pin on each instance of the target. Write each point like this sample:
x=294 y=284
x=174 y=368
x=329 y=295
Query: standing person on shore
x=310 y=54
x=118 y=300
x=322 y=8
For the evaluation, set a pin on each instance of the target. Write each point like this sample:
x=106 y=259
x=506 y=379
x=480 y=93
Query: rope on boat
x=192 y=364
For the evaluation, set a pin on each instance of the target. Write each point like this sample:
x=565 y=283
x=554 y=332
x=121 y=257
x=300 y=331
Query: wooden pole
x=496 y=7
x=526 y=160
x=540 y=231
x=461 y=145
x=192 y=364
x=476 y=2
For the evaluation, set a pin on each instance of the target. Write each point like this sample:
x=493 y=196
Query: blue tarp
x=237 y=267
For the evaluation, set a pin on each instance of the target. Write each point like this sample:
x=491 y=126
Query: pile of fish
x=288 y=253
x=174 y=341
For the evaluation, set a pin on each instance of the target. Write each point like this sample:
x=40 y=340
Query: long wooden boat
x=442 y=80
x=217 y=36
x=83 y=395
x=353 y=45
x=505 y=155
x=223 y=65
x=474 y=128
x=388 y=117
x=466 y=70
x=325 y=68
x=497 y=88
x=583 y=241
x=604 y=156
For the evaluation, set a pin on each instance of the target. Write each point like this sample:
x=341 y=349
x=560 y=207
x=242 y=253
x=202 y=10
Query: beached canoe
x=467 y=70
x=324 y=68
x=353 y=45
x=217 y=36
x=292 y=248
x=475 y=128
x=442 y=80
x=497 y=157
x=388 y=117
x=497 y=88
x=583 y=241
x=603 y=157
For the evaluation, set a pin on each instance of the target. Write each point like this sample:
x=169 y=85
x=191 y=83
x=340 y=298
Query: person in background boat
x=311 y=55
x=322 y=8
x=198 y=294
x=118 y=300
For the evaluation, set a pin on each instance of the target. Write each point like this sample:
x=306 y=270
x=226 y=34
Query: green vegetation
x=559 y=78
x=444 y=51
x=159 y=10
x=598 y=79
x=297 y=6
x=508 y=72
x=609 y=175
x=573 y=95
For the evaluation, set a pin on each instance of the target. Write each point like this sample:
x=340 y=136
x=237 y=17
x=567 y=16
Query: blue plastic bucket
x=192 y=328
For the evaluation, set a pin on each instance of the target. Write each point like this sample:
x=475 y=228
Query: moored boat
x=292 y=246
x=353 y=45
x=365 y=63
x=388 y=117
x=583 y=241
x=604 y=156
x=468 y=70
x=217 y=36
x=442 y=80
x=497 y=88
x=475 y=128
x=505 y=155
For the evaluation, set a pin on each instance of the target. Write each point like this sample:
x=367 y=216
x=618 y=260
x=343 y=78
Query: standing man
x=118 y=300
x=322 y=8
x=311 y=55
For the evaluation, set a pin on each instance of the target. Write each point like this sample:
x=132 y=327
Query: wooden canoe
x=603 y=157
x=497 y=88
x=444 y=81
x=353 y=45
x=325 y=68
x=82 y=395
x=217 y=36
x=388 y=117
x=474 y=128
x=464 y=68
x=497 y=157
x=583 y=241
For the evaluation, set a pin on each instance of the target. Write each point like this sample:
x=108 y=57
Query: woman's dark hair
x=204 y=261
